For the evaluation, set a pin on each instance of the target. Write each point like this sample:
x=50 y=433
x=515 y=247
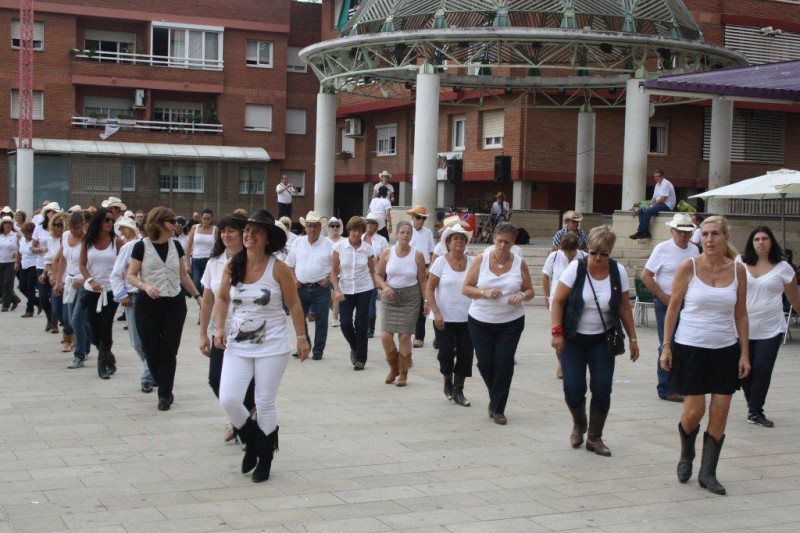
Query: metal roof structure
x=579 y=48
x=772 y=82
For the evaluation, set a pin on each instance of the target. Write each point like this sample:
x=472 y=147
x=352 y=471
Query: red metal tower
x=25 y=74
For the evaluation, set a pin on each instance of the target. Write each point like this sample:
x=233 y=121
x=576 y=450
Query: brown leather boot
x=579 y=425
x=67 y=342
x=391 y=358
x=594 y=440
x=403 y=363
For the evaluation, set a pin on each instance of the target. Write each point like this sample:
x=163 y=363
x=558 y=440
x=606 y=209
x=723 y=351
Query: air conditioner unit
x=139 y=98
x=352 y=127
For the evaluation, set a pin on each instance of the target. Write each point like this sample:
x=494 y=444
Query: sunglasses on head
x=595 y=252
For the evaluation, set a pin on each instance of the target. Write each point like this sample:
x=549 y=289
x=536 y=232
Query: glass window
x=184 y=177
x=459 y=125
x=38 y=35
x=298 y=180
x=180 y=112
x=659 y=134
x=38 y=104
x=387 y=139
x=128 y=176
x=293 y=61
x=252 y=180
x=259 y=53
x=295 y=121
x=257 y=117
x=493 y=129
x=104 y=108
x=190 y=48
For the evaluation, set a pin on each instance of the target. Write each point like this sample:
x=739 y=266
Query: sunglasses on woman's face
x=59 y=225
x=595 y=252
x=417 y=217
x=334 y=226
x=109 y=220
x=171 y=221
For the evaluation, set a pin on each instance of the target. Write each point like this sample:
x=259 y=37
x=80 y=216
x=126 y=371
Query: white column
x=367 y=197
x=403 y=194
x=584 y=165
x=719 y=161
x=426 y=141
x=445 y=194
x=521 y=195
x=325 y=149
x=634 y=158
x=25 y=179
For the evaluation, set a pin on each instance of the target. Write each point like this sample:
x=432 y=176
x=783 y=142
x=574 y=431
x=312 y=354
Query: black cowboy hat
x=262 y=217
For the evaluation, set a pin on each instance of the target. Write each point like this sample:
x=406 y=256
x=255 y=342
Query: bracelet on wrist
x=302 y=338
x=633 y=340
x=557 y=331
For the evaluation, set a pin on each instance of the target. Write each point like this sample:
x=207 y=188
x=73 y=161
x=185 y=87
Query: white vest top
x=164 y=275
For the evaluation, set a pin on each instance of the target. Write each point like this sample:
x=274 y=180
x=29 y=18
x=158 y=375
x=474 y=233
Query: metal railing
x=764 y=207
x=147 y=125
x=148 y=59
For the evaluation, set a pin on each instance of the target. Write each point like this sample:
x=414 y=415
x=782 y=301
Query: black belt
x=309 y=285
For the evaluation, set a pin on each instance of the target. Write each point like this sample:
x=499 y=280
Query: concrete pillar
x=366 y=197
x=25 y=179
x=426 y=141
x=521 y=195
x=634 y=158
x=719 y=161
x=584 y=164
x=324 y=156
x=445 y=194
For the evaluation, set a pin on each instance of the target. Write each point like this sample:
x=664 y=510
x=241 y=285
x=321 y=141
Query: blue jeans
x=316 y=299
x=136 y=341
x=645 y=214
x=355 y=333
x=763 y=353
x=495 y=347
x=198 y=268
x=580 y=353
x=79 y=322
x=57 y=309
x=663 y=375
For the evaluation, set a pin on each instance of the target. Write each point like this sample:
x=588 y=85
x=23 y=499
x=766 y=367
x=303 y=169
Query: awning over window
x=149 y=150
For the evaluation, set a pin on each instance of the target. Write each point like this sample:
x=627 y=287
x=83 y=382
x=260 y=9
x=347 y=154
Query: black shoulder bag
x=615 y=344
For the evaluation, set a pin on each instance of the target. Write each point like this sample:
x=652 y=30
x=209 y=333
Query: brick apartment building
x=207 y=100
x=542 y=142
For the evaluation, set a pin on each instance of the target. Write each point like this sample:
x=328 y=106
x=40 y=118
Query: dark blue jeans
x=763 y=353
x=580 y=353
x=645 y=214
x=316 y=300
x=495 y=347
x=355 y=333
x=198 y=268
x=663 y=375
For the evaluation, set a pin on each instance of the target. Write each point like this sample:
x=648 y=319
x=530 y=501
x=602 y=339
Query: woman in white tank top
x=98 y=255
x=198 y=249
x=705 y=356
x=258 y=344
x=401 y=278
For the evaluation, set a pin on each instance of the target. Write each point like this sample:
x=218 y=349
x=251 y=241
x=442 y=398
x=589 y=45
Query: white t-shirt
x=43 y=237
x=554 y=266
x=379 y=244
x=422 y=240
x=697 y=234
x=28 y=258
x=388 y=186
x=8 y=247
x=379 y=206
x=665 y=260
x=311 y=262
x=765 y=303
x=284 y=193
x=453 y=305
x=590 y=323
x=665 y=188
x=212 y=278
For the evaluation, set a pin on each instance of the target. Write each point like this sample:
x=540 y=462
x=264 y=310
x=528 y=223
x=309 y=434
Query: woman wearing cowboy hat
x=258 y=344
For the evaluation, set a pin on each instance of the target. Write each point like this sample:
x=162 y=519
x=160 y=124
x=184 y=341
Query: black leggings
x=102 y=323
x=215 y=373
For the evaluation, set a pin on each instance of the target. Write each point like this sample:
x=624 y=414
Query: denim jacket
x=575 y=303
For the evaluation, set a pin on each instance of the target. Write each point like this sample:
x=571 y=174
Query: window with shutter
x=128 y=176
x=387 y=139
x=38 y=104
x=459 y=128
x=258 y=117
x=251 y=180
x=38 y=35
x=493 y=128
x=183 y=177
x=105 y=107
x=298 y=180
x=259 y=54
x=763 y=45
x=293 y=61
x=758 y=136
x=295 y=121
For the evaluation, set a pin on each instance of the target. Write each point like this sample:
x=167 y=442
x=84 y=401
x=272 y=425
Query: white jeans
x=236 y=375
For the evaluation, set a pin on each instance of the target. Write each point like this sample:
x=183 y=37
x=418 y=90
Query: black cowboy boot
x=687 y=453
x=458 y=391
x=448 y=385
x=708 y=465
x=266 y=452
x=249 y=434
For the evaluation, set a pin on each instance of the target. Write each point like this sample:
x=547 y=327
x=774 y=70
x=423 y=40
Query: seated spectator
x=572 y=223
x=663 y=200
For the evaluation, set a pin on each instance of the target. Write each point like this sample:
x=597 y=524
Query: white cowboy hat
x=128 y=213
x=6 y=219
x=75 y=208
x=385 y=174
x=372 y=218
x=126 y=222
x=681 y=222
x=312 y=217
x=113 y=201
x=6 y=209
x=573 y=215
x=52 y=206
x=334 y=220
x=453 y=220
x=456 y=229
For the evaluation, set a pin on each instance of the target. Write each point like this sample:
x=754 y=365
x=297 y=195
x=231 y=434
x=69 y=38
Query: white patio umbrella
x=774 y=185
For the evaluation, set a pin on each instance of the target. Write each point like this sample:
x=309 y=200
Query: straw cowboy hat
x=453 y=220
x=334 y=220
x=456 y=229
x=126 y=222
x=312 y=217
x=385 y=174
x=419 y=211
x=573 y=215
x=52 y=206
x=681 y=222
x=370 y=218
x=113 y=201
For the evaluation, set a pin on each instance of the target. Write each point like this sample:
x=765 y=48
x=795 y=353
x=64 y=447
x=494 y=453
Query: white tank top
x=707 y=318
x=401 y=272
x=72 y=255
x=203 y=244
x=497 y=310
x=258 y=325
x=100 y=263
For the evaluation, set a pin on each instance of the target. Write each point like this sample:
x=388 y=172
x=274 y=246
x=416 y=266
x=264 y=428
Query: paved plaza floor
x=356 y=455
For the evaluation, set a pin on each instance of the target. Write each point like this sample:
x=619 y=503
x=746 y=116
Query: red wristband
x=557 y=331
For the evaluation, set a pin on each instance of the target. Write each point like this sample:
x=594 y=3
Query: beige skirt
x=400 y=314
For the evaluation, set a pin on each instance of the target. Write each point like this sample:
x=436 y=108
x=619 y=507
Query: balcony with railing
x=129 y=124
x=130 y=58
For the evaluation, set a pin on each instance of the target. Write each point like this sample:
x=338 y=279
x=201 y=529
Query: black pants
x=27 y=285
x=102 y=323
x=284 y=210
x=355 y=331
x=215 y=372
x=455 y=349
x=44 y=291
x=495 y=347
x=384 y=232
x=160 y=325
x=419 y=331
x=763 y=353
x=7 y=284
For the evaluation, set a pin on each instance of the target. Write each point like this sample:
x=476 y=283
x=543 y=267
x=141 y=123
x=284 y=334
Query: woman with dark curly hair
x=769 y=277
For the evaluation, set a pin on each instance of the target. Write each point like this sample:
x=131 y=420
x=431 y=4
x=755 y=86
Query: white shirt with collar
x=422 y=240
x=284 y=193
x=354 y=276
x=665 y=188
x=311 y=262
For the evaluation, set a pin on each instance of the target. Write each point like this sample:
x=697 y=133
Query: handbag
x=615 y=344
